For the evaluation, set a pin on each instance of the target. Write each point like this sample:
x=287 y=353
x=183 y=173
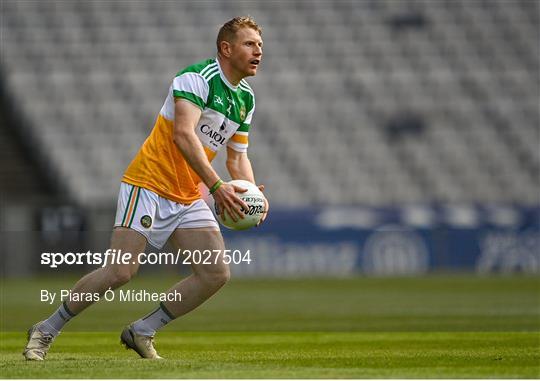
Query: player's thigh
x=125 y=240
x=209 y=242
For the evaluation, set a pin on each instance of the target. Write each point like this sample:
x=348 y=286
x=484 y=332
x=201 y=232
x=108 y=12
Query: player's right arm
x=186 y=116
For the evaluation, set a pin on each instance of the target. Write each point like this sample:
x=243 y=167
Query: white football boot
x=143 y=345
x=38 y=344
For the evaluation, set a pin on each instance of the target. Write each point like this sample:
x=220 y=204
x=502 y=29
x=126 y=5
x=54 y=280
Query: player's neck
x=232 y=76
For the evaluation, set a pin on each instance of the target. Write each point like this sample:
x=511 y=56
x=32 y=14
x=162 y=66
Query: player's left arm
x=239 y=167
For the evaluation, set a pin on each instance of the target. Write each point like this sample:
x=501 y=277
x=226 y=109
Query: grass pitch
x=285 y=355
x=432 y=327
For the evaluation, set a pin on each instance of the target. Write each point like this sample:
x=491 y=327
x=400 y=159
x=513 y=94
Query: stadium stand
x=20 y=175
x=359 y=102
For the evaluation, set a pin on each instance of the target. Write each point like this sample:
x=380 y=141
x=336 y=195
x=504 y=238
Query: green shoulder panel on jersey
x=246 y=87
x=203 y=67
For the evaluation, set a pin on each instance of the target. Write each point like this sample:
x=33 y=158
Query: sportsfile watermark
x=119 y=257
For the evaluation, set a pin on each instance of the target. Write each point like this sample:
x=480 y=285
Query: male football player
x=209 y=106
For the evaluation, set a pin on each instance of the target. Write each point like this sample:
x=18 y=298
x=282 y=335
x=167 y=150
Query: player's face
x=246 y=51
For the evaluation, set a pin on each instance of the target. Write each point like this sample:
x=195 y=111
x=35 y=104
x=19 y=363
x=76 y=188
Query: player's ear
x=225 y=48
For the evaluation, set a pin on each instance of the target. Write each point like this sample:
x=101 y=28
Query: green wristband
x=216 y=186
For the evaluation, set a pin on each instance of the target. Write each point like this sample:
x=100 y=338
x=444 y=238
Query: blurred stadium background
x=394 y=137
x=399 y=145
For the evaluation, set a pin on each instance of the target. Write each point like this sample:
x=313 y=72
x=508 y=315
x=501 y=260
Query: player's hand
x=227 y=200
x=266 y=205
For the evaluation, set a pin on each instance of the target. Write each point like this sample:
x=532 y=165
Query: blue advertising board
x=404 y=240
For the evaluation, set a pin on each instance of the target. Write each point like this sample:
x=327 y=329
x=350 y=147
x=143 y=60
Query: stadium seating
x=358 y=102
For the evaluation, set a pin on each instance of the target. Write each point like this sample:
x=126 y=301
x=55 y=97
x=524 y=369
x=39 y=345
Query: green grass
x=430 y=327
x=285 y=355
x=436 y=303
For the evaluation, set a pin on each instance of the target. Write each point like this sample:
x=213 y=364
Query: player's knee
x=119 y=276
x=216 y=279
x=225 y=276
